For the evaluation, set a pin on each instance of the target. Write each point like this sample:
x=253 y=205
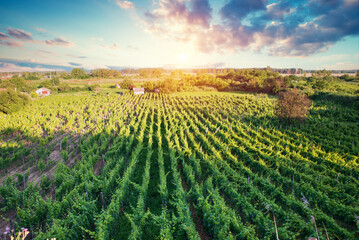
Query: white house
x=43 y=91
x=138 y=91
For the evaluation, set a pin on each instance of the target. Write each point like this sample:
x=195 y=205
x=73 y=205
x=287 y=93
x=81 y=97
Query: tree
x=16 y=82
x=126 y=83
x=78 y=73
x=150 y=85
x=169 y=86
x=293 y=105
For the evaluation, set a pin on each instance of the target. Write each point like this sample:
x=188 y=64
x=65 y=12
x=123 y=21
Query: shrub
x=11 y=101
x=293 y=105
x=33 y=94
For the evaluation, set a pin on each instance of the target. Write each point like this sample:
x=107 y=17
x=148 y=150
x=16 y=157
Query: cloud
x=282 y=28
x=212 y=65
x=75 y=56
x=27 y=37
x=236 y=10
x=19 y=34
x=3 y=36
x=330 y=58
x=41 y=52
x=342 y=66
x=11 y=44
x=130 y=47
x=125 y=4
x=113 y=46
x=15 y=65
x=197 y=13
x=11 y=67
x=97 y=39
x=60 y=42
x=75 y=64
x=40 y=29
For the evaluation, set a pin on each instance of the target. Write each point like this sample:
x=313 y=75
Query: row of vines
x=179 y=167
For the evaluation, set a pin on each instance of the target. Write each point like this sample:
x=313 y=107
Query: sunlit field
x=183 y=166
x=180 y=119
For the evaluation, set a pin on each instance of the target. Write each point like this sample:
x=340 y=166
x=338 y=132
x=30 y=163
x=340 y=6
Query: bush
x=126 y=83
x=169 y=86
x=11 y=101
x=33 y=94
x=94 y=87
x=64 y=87
x=293 y=105
x=45 y=183
x=65 y=155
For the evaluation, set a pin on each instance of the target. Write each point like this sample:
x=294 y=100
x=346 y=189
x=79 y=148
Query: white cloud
x=113 y=46
x=100 y=39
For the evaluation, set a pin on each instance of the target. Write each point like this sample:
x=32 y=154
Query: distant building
x=138 y=91
x=3 y=89
x=43 y=91
x=8 y=76
x=118 y=85
x=156 y=90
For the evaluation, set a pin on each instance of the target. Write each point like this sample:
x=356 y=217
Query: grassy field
x=206 y=165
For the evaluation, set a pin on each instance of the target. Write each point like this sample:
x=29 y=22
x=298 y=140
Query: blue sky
x=47 y=35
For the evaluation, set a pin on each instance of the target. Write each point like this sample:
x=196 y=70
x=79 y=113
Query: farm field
x=181 y=166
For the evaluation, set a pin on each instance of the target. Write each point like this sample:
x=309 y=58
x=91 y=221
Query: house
x=43 y=91
x=118 y=85
x=138 y=91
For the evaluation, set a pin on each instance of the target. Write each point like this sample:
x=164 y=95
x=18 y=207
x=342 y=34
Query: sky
x=47 y=35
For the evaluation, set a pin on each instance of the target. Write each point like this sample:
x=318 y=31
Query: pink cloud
x=3 y=36
x=42 y=52
x=125 y=4
x=113 y=46
x=284 y=28
x=11 y=43
x=198 y=13
x=19 y=34
x=41 y=29
x=59 y=41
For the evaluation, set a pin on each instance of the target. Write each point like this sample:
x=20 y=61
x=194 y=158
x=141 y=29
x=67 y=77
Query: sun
x=182 y=57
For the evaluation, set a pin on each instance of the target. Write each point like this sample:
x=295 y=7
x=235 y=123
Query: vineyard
x=206 y=166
